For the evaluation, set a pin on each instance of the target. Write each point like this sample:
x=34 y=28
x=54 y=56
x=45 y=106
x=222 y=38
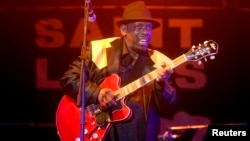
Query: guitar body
x=97 y=124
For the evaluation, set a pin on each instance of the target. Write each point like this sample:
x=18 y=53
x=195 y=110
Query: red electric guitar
x=97 y=121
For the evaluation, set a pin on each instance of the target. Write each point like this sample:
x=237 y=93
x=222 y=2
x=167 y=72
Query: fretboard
x=147 y=78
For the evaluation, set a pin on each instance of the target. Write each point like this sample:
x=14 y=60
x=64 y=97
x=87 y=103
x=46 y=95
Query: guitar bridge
x=101 y=116
x=93 y=110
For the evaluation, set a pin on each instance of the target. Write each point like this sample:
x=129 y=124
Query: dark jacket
x=147 y=103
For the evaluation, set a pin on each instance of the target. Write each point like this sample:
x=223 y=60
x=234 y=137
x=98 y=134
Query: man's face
x=138 y=35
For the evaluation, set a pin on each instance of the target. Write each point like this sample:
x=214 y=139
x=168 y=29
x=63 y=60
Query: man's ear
x=123 y=29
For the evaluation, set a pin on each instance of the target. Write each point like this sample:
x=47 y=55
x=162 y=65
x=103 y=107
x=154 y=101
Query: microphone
x=91 y=14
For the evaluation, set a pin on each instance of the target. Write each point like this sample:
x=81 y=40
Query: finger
x=163 y=65
x=169 y=69
x=113 y=103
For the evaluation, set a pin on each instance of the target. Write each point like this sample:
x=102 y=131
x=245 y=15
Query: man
x=130 y=58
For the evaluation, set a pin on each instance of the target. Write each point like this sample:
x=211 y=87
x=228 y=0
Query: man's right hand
x=106 y=98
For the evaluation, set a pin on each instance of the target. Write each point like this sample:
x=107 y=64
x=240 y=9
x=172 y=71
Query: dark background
x=28 y=111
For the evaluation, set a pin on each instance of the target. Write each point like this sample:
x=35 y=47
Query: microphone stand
x=82 y=90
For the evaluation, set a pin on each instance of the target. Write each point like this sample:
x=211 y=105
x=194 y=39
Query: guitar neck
x=147 y=78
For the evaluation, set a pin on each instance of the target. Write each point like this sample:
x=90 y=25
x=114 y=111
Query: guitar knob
x=95 y=136
x=93 y=123
x=86 y=131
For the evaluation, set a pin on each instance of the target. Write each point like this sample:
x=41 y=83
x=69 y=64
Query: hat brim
x=126 y=21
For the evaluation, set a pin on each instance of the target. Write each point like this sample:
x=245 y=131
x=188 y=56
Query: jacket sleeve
x=165 y=97
x=70 y=82
x=96 y=71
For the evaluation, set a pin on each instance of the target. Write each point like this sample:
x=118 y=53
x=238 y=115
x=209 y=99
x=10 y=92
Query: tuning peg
x=193 y=47
x=199 y=62
x=212 y=57
x=205 y=59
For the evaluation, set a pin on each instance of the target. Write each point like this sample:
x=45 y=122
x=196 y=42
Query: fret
x=147 y=78
x=179 y=60
x=120 y=93
x=125 y=90
x=128 y=89
x=142 y=80
x=137 y=83
x=152 y=75
x=133 y=86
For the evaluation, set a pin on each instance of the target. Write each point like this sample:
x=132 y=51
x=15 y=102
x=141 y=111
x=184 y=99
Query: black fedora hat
x=137 y=11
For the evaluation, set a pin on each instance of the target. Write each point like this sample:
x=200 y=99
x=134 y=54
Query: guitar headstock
x=202 y=51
